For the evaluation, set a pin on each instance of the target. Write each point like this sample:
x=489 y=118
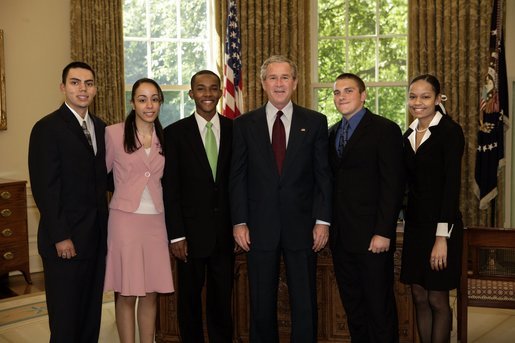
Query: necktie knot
x=279 y=114
x=209 y=125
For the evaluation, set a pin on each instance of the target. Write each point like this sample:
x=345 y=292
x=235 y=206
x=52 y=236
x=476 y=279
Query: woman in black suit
x=433 y=148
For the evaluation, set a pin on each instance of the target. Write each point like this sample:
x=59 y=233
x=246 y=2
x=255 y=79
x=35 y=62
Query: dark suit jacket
x=368 y=183
x=196 y=206
x=434 y=175
x=280 y=208
x=68 y=184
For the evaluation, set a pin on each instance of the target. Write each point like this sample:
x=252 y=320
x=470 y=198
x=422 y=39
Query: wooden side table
x=14 y=245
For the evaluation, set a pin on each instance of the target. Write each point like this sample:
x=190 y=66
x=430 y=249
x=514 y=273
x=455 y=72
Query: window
x=168 y=41
x=367 y=38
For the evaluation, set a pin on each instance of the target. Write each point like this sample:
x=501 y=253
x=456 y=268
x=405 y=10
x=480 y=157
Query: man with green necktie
x=196 y=199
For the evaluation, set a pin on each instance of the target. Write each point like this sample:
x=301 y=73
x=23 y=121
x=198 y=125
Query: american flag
x=233 y=90
x=493 y=111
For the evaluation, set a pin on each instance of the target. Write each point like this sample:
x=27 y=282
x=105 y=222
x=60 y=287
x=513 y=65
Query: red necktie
x=279 y=141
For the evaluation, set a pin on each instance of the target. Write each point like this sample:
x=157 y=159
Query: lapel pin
x=303 y=130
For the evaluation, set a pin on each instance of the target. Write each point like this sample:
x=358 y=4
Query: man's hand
x=180 y=250
x=65 y=249
x=242 y=236
x=379 y=244
x=320 y=236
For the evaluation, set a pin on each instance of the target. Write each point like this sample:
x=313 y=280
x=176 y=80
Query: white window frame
x=211 y=40
x=315 y=84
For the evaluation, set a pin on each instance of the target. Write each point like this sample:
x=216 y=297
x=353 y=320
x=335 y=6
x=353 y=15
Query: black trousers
x=365 y=282
x=218 y=271
x=263 y=271
x=74 y=290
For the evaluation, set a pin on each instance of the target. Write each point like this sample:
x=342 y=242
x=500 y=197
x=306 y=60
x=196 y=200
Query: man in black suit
x=366 y=159
x=68 y=179
x=281 y=202
x=196 y=198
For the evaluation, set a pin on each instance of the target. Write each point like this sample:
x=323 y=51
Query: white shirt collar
x=412 y=137
x=86 y=118
x=201 y=122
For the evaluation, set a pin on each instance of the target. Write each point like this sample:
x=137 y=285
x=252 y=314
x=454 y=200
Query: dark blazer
x=368 y=183
x=69 y=184
x=435 y=172
x=280 y=207
x=196 y=206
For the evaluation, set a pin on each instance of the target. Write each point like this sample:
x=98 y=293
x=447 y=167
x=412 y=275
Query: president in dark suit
x=196 y=199
x=281 y=202
x=68 y=178
x=366 y=159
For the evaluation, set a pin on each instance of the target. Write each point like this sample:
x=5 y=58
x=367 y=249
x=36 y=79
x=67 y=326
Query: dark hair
x=131 y=142
x=431 y=79
x=435 y=84
x=359 y=81
x=205 y=72
x=75 y=65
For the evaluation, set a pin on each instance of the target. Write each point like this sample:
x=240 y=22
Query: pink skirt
x=138 y=260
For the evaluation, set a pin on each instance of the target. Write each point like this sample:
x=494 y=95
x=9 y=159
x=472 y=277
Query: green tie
x=211 y=149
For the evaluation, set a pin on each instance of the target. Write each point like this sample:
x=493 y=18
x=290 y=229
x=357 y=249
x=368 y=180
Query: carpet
x=24 y=319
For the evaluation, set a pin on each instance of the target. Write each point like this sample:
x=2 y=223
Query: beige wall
x=36 y=47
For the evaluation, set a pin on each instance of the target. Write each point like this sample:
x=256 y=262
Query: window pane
x=192 y=28
x=331 y=59
x=164 y=18
x=128 y=106
x=393 y=14
x=392 y=104
x=362 y=17
x=326 y=105
x=171 y=108
x=135 y=59
x=371 y=102
x=392 y=59
x=331 y=18
x=164 y=63
x=193 y=59
x=362 y=58
x=134 y=14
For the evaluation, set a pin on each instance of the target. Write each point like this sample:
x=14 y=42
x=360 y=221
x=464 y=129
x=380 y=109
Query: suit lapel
x=357 y=135
x=261 y=137
x=195 y=141
x=155 y=149
x=225 y=145
x=298 y=131
x=74 y=126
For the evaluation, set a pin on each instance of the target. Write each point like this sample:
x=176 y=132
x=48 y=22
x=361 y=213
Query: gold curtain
x=270 y=27
x=449 y=39
x=97 y=39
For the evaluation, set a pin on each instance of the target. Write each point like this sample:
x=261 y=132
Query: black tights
x=434 y=315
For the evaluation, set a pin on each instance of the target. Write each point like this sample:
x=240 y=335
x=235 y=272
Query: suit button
x=147 y=174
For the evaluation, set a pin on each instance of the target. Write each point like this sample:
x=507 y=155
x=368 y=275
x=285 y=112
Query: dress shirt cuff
x=236 y=225
x=175 y=240
x=442 y=230
x=322 y=222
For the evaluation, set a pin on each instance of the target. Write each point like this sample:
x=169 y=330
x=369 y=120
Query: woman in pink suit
x=138 y=263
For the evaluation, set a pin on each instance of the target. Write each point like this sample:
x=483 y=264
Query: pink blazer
x=132 y=172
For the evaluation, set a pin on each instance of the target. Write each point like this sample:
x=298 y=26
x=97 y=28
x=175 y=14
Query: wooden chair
x=488 y=272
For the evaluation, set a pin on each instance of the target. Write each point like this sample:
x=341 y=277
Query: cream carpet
x=23 y=319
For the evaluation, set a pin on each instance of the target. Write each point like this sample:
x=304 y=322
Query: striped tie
x=86 y=132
